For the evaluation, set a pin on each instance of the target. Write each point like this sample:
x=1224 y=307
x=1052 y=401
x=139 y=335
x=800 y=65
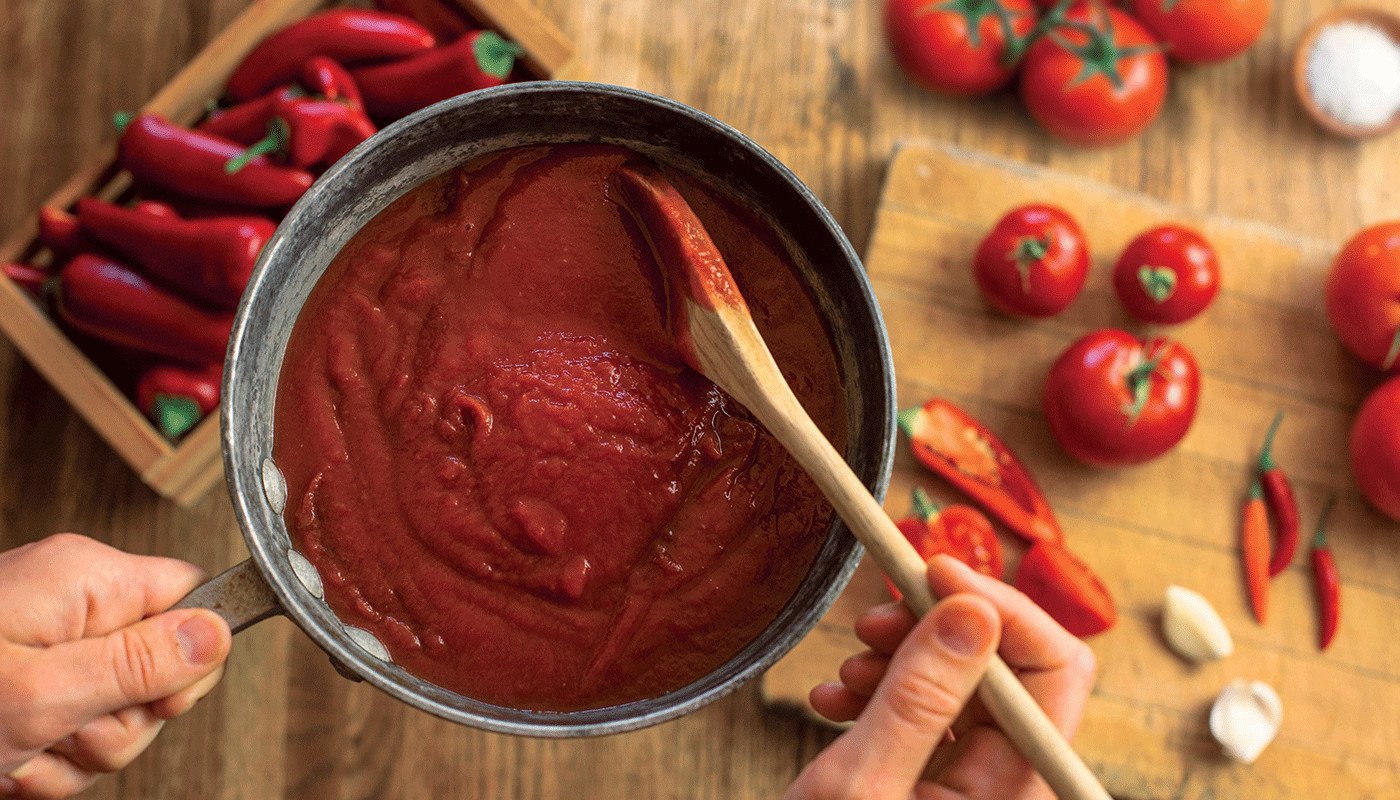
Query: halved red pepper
x=960 y=531
x=478 y=60
x=446 y=23
x=1066 y=588
x=961 y=450
x=211 y=259
x=348 y=35
x=176 y=398
x=193 y=163
x=111 y=301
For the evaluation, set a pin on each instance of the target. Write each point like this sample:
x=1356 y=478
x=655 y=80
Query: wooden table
x=810 y=80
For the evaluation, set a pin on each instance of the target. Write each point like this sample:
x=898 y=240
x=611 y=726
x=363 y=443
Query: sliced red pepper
x=176 y=398
x=1067 y=589
x=958 y=530
x=960 y=449
x=211 y=259
x=194 y=163
x=113 y=302
x=348 y=35
x=478 y=60
x=444 y=19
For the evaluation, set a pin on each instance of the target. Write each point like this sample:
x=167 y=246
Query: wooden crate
x=186 y=470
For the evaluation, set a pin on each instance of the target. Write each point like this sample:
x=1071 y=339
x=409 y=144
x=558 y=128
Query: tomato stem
x=1393 y=354
x=1158 y=282
x=1029 y=250
x=1139 y=380
x=924 y=507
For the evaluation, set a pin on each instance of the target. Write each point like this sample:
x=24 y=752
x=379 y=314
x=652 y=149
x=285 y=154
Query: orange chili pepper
x=1254 y=548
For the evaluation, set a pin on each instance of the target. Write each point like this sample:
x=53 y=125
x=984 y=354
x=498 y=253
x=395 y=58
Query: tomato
x=957 y=47
x=1363 y=295
x=1106 y=87
x=1033 y=262
x=1067 y=589
x=1112 y=400
x=1375 y=449
x=963 y=452
x=1167 y=275
x=1201 y=31
x=961 y=531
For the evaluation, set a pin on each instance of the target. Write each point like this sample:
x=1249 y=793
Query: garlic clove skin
x=1245 y=719
x=1193 y=628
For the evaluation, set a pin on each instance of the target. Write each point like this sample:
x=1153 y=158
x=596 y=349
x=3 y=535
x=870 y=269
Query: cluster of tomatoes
x=1090 y=72
x=1111 y=399
x=1363 y=303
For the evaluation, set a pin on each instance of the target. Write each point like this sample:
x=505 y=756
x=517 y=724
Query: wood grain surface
x=810 y=80
x=1175 y=520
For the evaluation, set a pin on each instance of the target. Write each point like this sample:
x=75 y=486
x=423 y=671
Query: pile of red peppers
x=1264 y=556
x=150 y=283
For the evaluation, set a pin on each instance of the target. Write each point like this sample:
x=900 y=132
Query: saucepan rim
x=247 y=478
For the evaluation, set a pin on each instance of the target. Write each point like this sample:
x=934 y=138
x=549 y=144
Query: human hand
x=905 y=692
x=90 y=668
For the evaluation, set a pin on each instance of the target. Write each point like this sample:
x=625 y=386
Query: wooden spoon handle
x=1015 y=711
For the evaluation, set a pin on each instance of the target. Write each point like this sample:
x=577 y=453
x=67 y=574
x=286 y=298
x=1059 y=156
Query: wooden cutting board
x=1263 y=346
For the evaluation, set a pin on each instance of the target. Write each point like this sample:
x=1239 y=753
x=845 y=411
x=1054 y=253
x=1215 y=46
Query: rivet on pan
x=367 y=642
x=274 y=486
x=306 y=573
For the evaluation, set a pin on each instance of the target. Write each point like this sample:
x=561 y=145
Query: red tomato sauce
x=499 y=463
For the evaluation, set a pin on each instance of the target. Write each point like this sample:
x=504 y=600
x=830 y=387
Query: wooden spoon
x=1382 y=20
x=717 y=336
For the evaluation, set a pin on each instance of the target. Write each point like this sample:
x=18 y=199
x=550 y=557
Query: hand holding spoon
x=717 y=337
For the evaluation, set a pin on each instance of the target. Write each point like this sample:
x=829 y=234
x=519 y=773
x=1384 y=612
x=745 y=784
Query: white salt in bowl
x=1384 y=21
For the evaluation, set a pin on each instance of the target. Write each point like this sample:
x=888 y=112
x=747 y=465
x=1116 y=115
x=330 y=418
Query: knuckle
x=925 y=701
x=65 y=543
x=823 y=781
x=134 y=663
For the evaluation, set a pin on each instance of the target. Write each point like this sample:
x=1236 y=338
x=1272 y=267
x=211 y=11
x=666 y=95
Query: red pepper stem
x=1266 y=453
x=121 y=120
x=924 y=507
x=175 y=415
x=278 y=135
x=1320 y=535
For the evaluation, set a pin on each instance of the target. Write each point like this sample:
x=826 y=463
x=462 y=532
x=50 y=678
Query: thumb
x=930 y=678
x=135 y=665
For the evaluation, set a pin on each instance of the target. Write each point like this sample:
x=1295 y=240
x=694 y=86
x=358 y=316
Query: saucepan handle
x=238 y=594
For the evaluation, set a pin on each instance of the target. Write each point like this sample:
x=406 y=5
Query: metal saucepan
x=279 y=580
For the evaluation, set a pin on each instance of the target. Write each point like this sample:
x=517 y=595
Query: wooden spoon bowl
x=1378 y=18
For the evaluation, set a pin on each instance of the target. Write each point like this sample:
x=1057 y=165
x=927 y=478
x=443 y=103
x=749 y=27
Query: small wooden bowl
x=1385 y=21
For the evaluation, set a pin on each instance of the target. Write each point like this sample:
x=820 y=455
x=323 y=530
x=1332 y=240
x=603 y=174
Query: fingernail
x=962 y=630
x=199 y=638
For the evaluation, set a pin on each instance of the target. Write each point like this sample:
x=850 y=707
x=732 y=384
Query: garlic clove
x=1245 y=718
x=1193 y=628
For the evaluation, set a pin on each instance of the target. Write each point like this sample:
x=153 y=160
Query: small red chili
x=1278 y=492
x=1327 y=583
x=30 y=278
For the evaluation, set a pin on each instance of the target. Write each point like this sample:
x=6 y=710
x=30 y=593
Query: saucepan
x=278 y=580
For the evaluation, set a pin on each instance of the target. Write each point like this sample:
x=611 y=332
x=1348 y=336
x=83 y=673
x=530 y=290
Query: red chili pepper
x=960 y=531
x=478 y=60
x=210 y=259
x=193 y=163
x=960 y=449
x=1254 y=550
x=1067 y=589
x=109 y=300
x=246 y=123
x=326 y=78
x=1326 y=581
x=348 y=35
x=60 y=232
x=30 y=278
x=310 y=133
x=446 y=23
x=1278 y=493
x=176 y=398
